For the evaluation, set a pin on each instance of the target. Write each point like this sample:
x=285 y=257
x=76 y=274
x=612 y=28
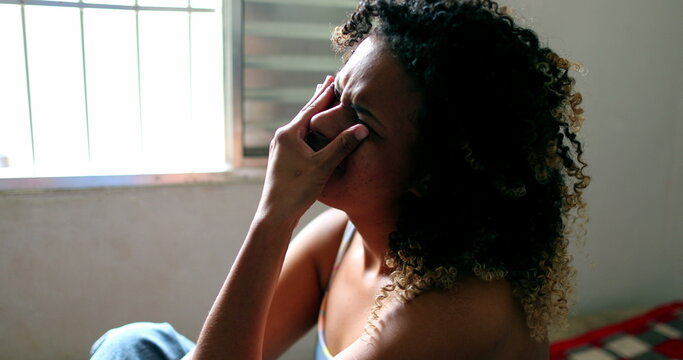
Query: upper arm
x=434 y=326
x=301 y=285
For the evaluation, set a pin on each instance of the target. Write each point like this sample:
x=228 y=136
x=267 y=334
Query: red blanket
x=657 y=334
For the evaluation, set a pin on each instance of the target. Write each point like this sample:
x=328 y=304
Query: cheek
x=370 y=167
x=358 y=167
x=372 y=177
x=361 y=170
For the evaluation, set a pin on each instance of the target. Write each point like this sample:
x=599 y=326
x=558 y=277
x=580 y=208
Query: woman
x=448 y=145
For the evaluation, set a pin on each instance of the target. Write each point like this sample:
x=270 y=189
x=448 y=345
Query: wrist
x=276 y=219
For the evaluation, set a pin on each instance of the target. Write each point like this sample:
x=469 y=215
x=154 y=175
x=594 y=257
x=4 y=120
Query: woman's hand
x=296 y=174
x=235 y=327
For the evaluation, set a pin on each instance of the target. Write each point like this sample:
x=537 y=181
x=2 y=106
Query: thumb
x=343 y=145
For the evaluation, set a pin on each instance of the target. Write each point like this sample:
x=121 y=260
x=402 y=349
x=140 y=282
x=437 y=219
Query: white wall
x=675 y=205
x=632 y=51
x=75 y=263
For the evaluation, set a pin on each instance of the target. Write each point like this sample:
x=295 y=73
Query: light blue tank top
x=321 y=350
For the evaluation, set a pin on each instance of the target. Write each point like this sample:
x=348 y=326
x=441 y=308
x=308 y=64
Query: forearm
x=295 y=178
x=236 y=323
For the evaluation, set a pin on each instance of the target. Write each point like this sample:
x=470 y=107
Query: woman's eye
x=337 y=96
x=356 y=118
x=359 y=121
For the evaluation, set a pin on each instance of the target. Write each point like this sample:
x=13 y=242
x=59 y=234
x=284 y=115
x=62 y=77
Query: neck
x=374 y=232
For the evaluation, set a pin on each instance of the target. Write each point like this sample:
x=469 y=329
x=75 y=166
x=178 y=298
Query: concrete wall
x=632 y=52
x=75 y=263
x=675 y=208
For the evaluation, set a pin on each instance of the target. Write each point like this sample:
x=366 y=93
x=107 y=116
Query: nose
x=326 y=125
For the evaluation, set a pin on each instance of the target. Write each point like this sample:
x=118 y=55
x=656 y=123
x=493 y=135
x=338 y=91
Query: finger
x=300 y=123
x=322 y=103
x=343 y=145
x=319 y=89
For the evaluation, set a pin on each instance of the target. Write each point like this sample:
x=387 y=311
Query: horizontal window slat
x=289 y=30
x=266 y=124
x=291 y=95
x=292 y=63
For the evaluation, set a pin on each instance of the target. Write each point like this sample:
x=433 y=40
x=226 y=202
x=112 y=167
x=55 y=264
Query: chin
x=332 y=198
x=337 y=193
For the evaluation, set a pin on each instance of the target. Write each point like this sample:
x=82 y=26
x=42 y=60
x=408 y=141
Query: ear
x=419 y=188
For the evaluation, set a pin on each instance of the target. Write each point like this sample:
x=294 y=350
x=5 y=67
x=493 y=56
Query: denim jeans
x=141 y=341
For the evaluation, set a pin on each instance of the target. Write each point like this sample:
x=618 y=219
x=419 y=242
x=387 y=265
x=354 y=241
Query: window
x=287 y=51
x=121 y=87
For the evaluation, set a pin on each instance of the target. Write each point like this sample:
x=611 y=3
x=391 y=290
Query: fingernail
x=361 y=132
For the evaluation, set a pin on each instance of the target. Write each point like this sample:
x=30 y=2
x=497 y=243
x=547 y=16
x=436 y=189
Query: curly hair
x=503 y=170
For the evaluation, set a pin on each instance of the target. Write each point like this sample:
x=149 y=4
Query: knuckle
x=273 y=143
x=308 y=107
x=278 y=133
x=278 y=137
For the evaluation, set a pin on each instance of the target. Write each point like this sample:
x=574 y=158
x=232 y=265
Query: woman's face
x=372 y=88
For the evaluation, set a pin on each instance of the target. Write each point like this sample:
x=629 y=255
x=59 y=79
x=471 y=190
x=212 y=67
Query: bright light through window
x=112 y=89
x=57 y=94
x=15 y=127
x=113 y=106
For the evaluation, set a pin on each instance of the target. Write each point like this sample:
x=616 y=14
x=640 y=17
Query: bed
x=636 y=334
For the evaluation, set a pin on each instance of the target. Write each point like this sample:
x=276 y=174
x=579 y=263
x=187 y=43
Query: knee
x=134 y=341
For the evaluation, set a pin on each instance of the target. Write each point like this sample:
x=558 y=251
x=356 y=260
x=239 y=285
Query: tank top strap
x=343 y=246
x=321 y=350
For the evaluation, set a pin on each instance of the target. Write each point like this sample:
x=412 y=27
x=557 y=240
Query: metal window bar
x=28 y=84
x=84 y=5
x=233 y=53
x=85 y=83
x=137 y=59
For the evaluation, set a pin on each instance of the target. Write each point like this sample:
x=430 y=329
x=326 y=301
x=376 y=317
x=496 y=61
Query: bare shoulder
x=320 y=239
x=474 y=320
x=328 y=224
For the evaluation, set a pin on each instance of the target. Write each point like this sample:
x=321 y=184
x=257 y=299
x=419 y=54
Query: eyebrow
x=357 y=108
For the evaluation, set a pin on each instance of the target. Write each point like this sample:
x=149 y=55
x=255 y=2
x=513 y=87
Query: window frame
x=238 y=167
